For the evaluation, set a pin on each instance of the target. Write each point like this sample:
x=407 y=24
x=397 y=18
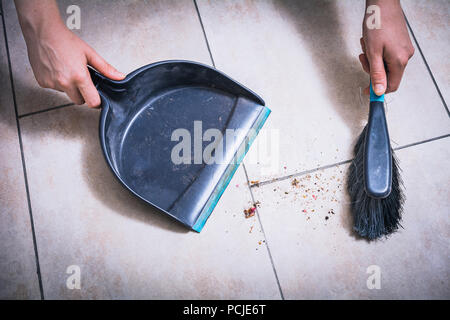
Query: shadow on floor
x=319 y=26
x=81 y=123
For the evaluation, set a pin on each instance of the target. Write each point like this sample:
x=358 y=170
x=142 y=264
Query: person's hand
x=386 y=51
x=58 y=57
x=59 y=60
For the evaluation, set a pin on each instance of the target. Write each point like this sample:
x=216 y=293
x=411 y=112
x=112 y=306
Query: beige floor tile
x=124 y=249
x=128 y=34
x=302 y=58
x=316 y=254
x=18 y=277
x=429 y=21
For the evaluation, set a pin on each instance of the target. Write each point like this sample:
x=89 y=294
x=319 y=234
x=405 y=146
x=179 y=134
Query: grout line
x=45 y=110
x=422 y=142
x=426 y=64
x=262 y=183
x=264 y=234
x=38 y=269
x=243 y=165
x=204 y=34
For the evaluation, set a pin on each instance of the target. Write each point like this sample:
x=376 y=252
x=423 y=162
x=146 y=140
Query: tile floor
x=60 y=206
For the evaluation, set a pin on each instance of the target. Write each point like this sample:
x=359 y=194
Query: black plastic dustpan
x=162 y=128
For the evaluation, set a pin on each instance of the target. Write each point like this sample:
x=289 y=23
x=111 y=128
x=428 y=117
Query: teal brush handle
x=377 y=151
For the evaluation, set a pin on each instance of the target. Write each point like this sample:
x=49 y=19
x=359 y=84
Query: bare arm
x=386 y=51
x=58 y=57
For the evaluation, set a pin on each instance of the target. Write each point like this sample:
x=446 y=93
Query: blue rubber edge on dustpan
x=231 y=169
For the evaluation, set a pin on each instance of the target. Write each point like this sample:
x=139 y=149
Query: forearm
x=38 y=17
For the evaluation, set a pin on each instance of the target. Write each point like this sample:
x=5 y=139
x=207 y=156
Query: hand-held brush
x=373 y=183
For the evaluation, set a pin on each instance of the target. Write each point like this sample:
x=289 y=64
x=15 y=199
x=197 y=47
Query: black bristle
x=373 y=218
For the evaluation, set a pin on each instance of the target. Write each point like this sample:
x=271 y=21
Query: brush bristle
x=373 y=218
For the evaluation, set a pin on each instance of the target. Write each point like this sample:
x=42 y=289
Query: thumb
x=377 y=75
x=102 y=66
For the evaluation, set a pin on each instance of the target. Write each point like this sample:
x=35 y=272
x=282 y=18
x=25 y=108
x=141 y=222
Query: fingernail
x=379 y=89
x=120 y=74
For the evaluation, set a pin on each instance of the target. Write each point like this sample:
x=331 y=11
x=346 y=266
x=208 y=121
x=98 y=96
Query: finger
x=74 y=95
x=366 y=91
x=102 y=66
x=364 y=62
x=394 y=76
x=363 y=45
x=89 y=92
x=377 y=74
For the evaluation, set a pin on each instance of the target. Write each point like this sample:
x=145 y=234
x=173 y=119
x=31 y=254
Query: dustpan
x=174 y=132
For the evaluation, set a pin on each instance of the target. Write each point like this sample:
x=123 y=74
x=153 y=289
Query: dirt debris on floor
x=254 y=183
x=250 y=212
x=315 y=194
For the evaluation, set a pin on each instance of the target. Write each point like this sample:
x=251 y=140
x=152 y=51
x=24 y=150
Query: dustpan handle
x=96 y=77
x=377 y=151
